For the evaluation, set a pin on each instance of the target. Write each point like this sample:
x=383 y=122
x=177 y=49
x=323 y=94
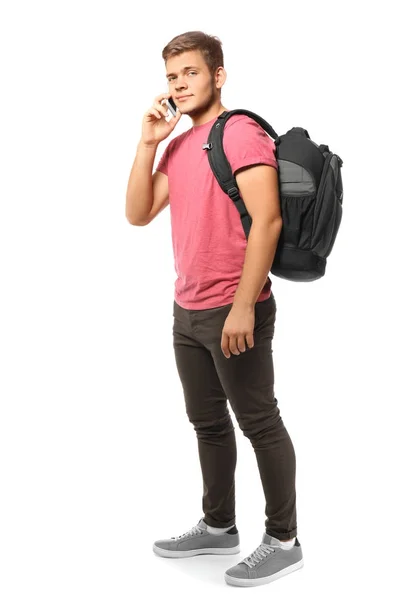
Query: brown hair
x=209 y=46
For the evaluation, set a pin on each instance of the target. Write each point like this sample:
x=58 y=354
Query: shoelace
x=194 y=531
x=261 y=552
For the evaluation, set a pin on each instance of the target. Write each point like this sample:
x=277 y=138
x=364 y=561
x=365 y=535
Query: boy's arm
x=259 y=189
x=147 y=193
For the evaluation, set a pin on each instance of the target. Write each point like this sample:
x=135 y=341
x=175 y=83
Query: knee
x=259 y=427
x=209 y=426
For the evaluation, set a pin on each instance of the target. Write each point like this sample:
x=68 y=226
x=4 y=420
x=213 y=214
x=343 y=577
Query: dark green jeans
x=209 y=379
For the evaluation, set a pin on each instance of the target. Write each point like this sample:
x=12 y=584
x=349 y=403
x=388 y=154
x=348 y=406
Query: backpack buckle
x=233 y=193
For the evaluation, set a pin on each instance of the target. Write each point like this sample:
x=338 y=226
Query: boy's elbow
x=135 y=222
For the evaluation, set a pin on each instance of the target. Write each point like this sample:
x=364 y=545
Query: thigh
x=205 y=398
x=248 y=378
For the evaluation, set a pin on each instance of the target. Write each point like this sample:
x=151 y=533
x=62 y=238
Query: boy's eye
x=190 y=73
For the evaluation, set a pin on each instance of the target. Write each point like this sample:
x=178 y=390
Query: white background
x=98 y=458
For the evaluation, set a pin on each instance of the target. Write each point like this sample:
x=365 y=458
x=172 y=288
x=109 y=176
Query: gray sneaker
x=199 y=540
x=267 y=563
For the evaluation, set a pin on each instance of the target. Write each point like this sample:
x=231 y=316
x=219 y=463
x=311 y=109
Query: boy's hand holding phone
x=155 y=127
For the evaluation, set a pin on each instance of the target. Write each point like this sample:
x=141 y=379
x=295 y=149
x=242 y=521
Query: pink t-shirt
x=208 y=239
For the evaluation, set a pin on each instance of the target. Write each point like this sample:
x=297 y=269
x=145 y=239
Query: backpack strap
x=295 y=131
x=219 y=163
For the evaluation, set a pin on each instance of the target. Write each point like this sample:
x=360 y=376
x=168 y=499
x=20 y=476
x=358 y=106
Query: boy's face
x=188 y=75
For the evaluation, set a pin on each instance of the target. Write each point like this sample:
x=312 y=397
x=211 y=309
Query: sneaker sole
x=187 y=553
x=261 y=580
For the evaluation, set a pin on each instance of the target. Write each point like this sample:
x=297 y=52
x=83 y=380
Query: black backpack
x=311 y=196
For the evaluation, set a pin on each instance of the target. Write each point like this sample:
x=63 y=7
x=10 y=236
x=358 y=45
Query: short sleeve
x=246 y=143
x=163 y=162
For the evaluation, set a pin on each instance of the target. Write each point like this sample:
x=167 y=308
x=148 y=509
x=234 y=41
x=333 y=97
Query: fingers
x=158 y=103
x=228 y=345
x=161 y=109
x=174 y=119
x=236 y=345
x=158 y=110
x=154 y=112
x=164 y=96
x=225 y=345
x=250 y=340
x=233 y=347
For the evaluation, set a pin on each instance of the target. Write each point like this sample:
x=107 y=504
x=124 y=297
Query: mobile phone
x=171 y=106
